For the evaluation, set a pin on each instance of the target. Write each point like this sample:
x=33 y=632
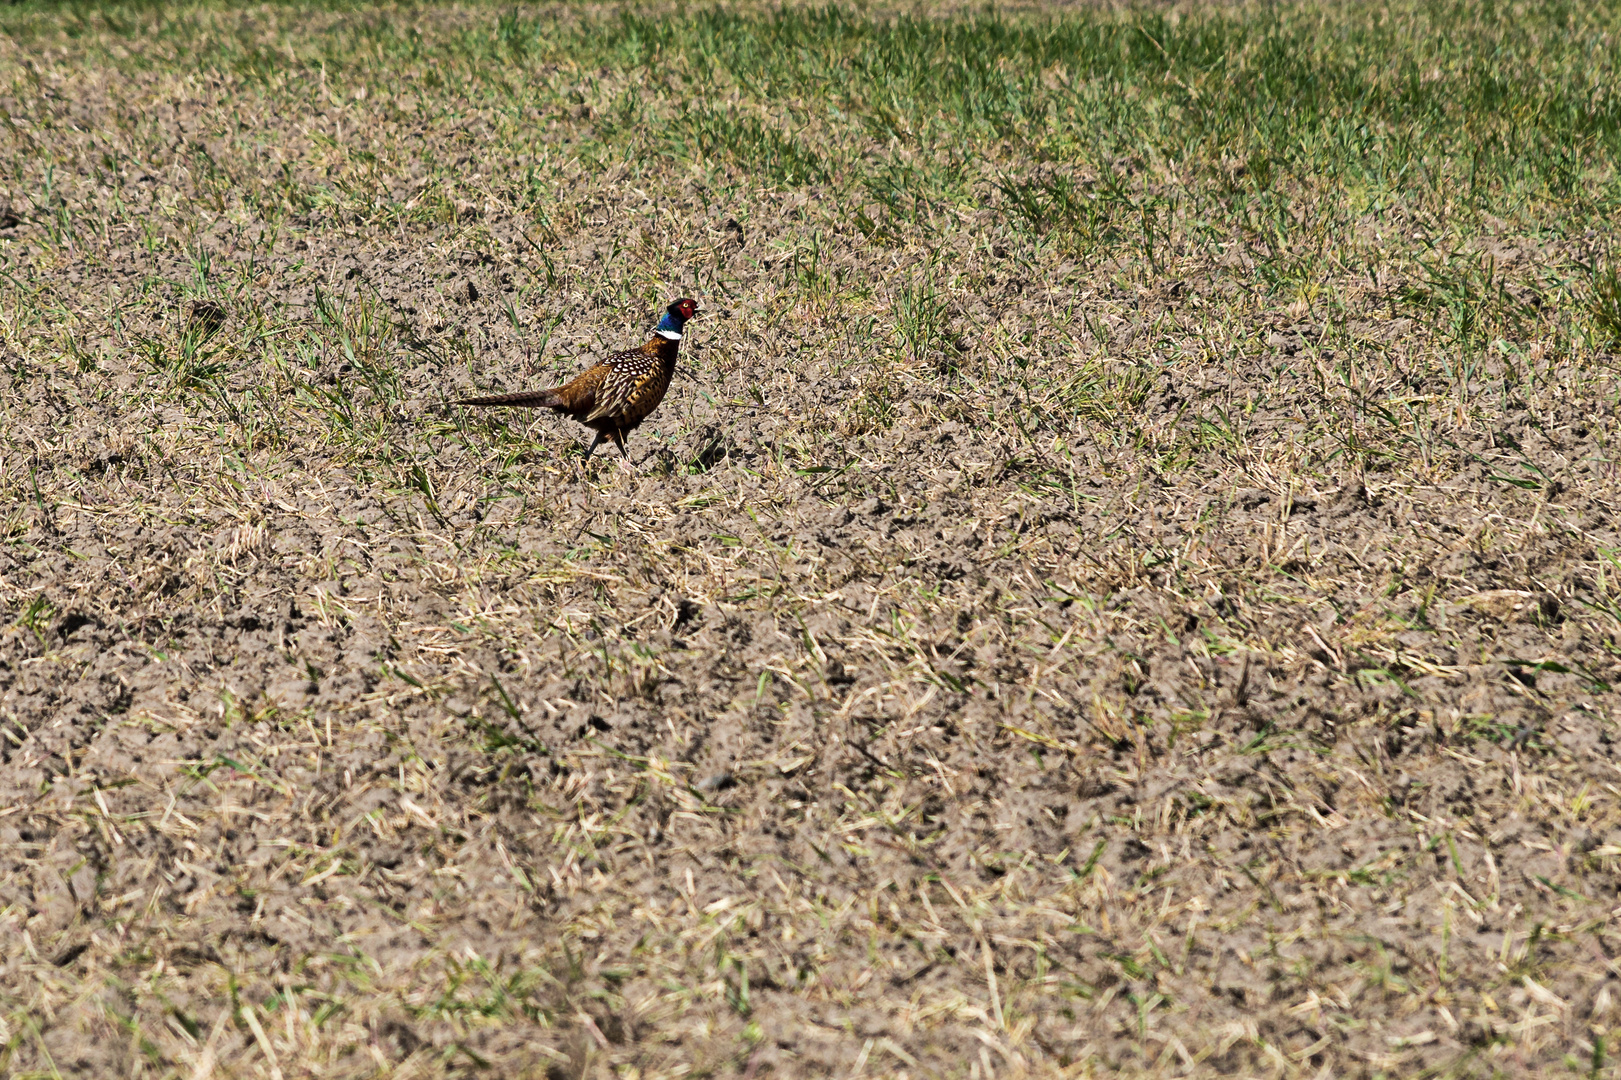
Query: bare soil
x=1039 y=695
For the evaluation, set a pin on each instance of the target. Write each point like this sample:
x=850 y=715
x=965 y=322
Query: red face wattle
x=687 y=308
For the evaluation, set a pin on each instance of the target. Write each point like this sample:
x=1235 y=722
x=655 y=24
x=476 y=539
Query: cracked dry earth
x=892 y=716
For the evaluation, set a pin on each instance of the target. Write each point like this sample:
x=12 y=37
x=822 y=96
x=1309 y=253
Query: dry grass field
x=1126 y=580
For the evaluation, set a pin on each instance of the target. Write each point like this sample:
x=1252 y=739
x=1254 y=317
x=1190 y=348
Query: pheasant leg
x=624 y=452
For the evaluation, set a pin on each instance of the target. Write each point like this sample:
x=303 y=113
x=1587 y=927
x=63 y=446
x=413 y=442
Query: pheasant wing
x=628 y=373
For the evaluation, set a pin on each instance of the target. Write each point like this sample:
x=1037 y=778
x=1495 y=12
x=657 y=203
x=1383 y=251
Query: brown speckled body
x=613 y=397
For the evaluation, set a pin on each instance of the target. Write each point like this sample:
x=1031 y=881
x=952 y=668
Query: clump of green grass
x=1604 y=305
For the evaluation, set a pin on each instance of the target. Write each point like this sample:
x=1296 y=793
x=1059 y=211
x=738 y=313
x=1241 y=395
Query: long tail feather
x=531 y=399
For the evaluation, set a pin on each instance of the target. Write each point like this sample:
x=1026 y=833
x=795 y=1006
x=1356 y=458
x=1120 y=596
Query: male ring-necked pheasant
x=619 y=392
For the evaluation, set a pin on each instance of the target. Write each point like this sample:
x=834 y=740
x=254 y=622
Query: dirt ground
x=997 y=661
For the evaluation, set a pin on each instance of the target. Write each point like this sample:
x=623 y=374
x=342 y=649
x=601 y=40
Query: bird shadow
x=714 y=447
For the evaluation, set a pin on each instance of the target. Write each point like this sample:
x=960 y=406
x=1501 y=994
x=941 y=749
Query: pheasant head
x=675 y=317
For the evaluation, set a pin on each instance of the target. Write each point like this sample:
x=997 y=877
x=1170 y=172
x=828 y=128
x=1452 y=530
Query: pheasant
x=618 y=393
